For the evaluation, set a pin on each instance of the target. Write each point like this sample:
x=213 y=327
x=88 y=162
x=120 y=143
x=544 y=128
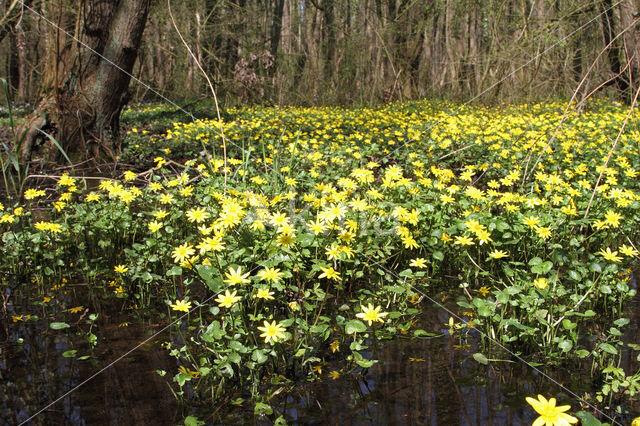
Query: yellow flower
x=236 y=276
x=264 y=293
x=540 y=283
x=75 y=310
x=181 y=305
x=610 y=255
x=129 y=175
x=286 y=240
x=498 y=254
x=66 y=180
x=334 y=374
x=93 y=197
x=543 y=232
x=121 y=269
x=550 y=415
x=612 y=218
x=30 y=194
x=531 y=221
x=154 y=226
x=182 y=253
x=463 y=240
x=193 y=374
x=371 y=314
x=628 y=251
x=335 y=346
x=418 y=262
x=330 y=274
x=227 y=300
x=197 y=215
x=272 y=332
x=270 y=274
x=160 y=214
x=484 y=290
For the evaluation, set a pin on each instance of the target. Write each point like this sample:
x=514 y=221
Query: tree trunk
x=613 y=53
x=87 y=76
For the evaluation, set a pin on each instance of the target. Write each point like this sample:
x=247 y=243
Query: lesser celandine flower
x=269 y=274
x=610 y=255
x=330 y=274
x=235 y=276
x=418 y=262
x=628 y=250
x=371 y=314
x=181 y=305
x=540 y=283
x=121 y=269
x=272 y=332
x=550 y=415
x=463 y=240
x=182 y=252
x=264 y=293
x=227 y=300
x=154 y=226
x=498 y=254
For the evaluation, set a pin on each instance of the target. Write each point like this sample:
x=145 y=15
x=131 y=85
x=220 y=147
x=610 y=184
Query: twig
x=566 y=111
x=613 y=147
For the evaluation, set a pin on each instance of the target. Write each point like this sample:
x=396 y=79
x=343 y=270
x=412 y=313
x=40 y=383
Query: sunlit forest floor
x=282 y=245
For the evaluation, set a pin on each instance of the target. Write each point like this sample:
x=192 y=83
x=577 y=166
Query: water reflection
x=428 y=381
x=419 y=381
x=35 y=373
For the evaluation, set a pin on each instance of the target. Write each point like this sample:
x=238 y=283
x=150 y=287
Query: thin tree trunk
x=85 y=90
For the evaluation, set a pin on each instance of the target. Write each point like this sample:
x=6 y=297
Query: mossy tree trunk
x=90 y=55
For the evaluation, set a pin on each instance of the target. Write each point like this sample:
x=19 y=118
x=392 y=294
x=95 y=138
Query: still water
x=433 y=381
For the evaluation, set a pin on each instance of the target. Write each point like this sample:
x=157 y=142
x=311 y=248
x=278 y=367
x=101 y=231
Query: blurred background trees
x=310 y=52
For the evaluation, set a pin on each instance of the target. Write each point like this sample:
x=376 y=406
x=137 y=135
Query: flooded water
x=418 y=381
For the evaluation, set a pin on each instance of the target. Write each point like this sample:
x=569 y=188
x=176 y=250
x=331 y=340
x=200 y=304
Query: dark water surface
x=419 y=381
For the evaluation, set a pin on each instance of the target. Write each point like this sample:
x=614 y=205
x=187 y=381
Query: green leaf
x=565 y=345
x=234 y=357
x=59 y=325
x=438 y=255
x=259 y=356
x=568 y=324
x=582 y=353
x=192 y=421
x=69 y=354
x=365 y=363
x=182 y=378
x=237 y=346
x=595 y=267
x=621 y=322
x=355 y=326
x=422 y=333
x=588 y=419
x=175 y=271
x=480 y=358
x=574 y=275
x=608 y=348
x=535 y=261
x=262 y=409
x=542 y=268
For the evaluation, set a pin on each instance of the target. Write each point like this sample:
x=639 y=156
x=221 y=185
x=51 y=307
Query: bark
x=86 y=83
x=613 y=53
x=276 y=33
